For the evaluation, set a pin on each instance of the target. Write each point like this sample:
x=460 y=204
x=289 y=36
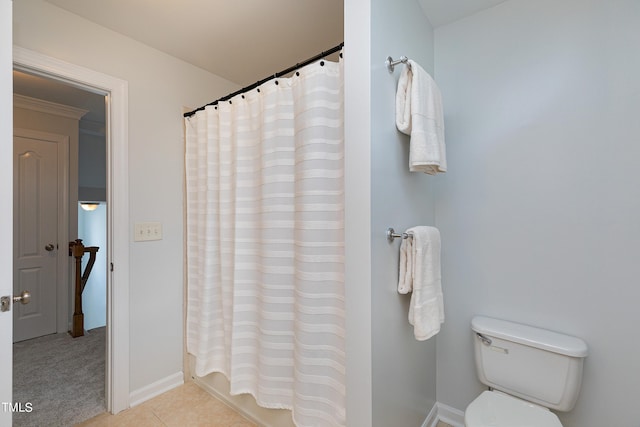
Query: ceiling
x=61 y=93
x=242 y=41
x=442 y=12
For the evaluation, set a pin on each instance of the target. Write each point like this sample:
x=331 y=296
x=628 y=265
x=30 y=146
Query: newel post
x=76 y=249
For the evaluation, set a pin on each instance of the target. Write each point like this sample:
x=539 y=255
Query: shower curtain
x=265 y=243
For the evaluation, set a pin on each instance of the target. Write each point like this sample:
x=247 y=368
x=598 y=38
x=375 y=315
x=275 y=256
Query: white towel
x=420 y=273
x=419 y=114
x=405 y=280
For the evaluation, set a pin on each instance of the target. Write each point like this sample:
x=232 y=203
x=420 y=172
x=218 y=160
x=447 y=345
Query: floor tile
x=134 y=417
x=184 y=406
x=177 y=400
x=207 y=414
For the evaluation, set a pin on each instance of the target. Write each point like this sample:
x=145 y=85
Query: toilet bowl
x=496 y=409
x=528 y=370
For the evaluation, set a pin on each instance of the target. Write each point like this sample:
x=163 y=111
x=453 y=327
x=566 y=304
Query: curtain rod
x=276 y=75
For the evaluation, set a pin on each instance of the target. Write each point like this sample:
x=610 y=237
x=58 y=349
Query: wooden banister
x=77 y=250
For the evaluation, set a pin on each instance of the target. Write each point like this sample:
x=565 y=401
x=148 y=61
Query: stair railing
x=77 y=250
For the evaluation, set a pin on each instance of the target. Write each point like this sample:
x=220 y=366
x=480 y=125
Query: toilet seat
x=495 y=409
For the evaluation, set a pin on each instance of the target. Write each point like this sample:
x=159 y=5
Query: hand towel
x=405 y=279
x=419 y=114
x=426 y=308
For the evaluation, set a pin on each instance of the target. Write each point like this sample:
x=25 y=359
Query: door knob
x=5 y=301
x=23 y=298
x=49 y=247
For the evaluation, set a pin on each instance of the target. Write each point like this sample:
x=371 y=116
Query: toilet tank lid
x=530 y=336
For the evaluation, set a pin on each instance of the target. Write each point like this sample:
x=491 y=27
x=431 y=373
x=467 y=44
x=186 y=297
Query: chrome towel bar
x=390 y=63
x=391 y=235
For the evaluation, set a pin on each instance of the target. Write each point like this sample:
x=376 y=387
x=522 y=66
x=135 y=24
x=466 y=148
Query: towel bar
x=391 y=235
x=390 y=63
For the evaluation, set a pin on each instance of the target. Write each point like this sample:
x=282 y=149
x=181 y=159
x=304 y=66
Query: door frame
x=63 y=292
x=116 y=91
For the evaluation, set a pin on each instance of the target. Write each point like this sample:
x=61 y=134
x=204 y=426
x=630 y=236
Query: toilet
x=528 y=370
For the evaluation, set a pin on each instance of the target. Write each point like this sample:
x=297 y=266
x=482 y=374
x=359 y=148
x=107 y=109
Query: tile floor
x=184 y=406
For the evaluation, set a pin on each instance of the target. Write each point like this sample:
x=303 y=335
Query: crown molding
x=26 y=102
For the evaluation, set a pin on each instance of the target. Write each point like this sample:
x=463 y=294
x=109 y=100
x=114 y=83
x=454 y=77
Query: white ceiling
x=61 y=93
x=240 y=40
x=442 y=12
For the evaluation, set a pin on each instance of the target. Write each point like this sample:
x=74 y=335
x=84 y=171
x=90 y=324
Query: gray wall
x=92 y=164
x=404 y=381
x=540 y=207
x=92 y=225
x=92 y=229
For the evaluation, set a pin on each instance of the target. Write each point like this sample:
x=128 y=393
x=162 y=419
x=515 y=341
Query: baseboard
x=432 y=418
x=444 y=413
x=152 y=390
x=452 y=416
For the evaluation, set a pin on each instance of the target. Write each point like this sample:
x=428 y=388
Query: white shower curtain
x=265 y=244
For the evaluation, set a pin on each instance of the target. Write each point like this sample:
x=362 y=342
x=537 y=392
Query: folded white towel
x=419 y=114
x=422 y=264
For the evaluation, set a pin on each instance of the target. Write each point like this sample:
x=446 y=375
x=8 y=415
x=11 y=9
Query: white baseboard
x=432 y=418
x=449 y=415
x=446 y=414
x=152 y=390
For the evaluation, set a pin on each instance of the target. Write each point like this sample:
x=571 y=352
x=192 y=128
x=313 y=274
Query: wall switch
x=145 y=231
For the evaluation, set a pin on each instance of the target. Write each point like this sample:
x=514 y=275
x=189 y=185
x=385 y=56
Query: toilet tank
x=534 y=364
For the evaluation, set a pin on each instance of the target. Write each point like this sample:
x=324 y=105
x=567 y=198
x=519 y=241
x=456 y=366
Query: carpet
x=61 y=377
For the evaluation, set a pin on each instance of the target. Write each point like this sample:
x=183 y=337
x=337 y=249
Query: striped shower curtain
x=265 y=243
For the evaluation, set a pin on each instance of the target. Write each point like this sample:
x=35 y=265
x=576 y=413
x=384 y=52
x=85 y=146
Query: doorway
x=117 y=207
x=59 y=161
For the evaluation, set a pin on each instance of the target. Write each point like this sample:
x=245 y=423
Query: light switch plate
x=146 y=231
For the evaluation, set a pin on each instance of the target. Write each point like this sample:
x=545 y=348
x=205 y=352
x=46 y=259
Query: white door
x=37 y=244
x=6 y=224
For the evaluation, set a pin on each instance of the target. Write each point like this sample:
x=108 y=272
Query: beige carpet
x=62 y=377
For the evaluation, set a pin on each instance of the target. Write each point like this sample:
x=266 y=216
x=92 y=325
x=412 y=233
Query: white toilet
x=528 y=371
